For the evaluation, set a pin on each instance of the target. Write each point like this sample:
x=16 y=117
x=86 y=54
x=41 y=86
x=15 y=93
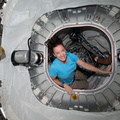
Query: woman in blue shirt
x=62 y=69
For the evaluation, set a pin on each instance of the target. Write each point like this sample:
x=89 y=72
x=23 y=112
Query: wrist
x=65 y=85
x=101 y=71
x=62 y=85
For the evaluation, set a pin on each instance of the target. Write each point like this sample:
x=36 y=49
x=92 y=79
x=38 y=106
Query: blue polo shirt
x=64 y=72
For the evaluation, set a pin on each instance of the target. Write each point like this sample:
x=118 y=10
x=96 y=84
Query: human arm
x=93 y=68
x=68 y=89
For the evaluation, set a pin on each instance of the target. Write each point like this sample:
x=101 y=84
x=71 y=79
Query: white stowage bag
x=18 y=100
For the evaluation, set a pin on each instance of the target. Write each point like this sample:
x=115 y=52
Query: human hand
x=108 y=71
x=68 y=89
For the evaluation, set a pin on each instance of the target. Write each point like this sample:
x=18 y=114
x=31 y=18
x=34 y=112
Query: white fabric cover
x=18 y=100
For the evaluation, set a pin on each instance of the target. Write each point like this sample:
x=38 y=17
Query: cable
x=29 y=51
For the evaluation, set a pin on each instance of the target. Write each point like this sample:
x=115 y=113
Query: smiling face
x=60 y=52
